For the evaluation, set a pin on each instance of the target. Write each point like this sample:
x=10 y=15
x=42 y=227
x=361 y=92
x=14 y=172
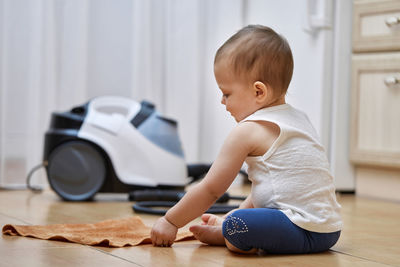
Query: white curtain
x=56 y=54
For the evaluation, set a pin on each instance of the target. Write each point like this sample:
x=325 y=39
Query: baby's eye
x=225 y=95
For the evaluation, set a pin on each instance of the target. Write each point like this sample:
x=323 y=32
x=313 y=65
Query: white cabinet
x=376 y=25
x=376 y=109
x=375 y=106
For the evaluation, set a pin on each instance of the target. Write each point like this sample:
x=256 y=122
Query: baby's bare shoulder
x=260 y=135
x=264 y=128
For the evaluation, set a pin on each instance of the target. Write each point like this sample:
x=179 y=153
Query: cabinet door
x=376 y=25
x=375 y=123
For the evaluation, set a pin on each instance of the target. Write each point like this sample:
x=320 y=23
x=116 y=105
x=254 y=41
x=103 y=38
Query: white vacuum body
x=112 y=144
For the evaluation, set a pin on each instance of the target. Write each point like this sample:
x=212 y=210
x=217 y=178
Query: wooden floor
x=371 y=237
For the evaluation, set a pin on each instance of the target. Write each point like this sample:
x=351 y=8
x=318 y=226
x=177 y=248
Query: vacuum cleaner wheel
x=76 y=170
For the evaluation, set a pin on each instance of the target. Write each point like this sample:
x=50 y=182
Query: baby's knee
x=235 y=223
x=237 y=250
x=236 y=233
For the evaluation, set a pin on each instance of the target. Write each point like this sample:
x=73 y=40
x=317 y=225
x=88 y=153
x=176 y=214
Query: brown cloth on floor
x=113 y=233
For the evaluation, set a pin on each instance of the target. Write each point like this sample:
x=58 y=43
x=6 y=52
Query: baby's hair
x=258 y=53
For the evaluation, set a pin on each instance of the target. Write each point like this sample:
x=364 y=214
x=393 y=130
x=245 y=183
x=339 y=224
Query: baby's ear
x=261 y=90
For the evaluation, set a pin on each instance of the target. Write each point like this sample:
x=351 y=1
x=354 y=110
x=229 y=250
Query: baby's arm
x=241 y=142
x=218 y=179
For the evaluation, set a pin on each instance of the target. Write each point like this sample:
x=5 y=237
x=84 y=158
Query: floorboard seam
x=115 y=256
x=359 y=257
x=15 y=218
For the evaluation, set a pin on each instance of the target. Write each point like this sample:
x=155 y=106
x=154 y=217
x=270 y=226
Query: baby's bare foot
x=210 y=231
x=211 y=219
x=209 y=234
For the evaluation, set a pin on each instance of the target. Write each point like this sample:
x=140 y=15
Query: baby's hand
x=163 y=233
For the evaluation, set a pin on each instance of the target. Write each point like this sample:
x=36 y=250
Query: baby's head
x=258 y=53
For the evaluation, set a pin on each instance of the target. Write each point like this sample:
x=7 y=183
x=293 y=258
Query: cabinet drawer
x=375 y=114
x=376 y=25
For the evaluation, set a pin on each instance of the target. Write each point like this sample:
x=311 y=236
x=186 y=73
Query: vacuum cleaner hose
x=148 y=207
x=149 y=200
x=170 y=195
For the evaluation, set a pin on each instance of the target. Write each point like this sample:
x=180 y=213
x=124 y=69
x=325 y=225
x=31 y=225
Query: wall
x=57 y=54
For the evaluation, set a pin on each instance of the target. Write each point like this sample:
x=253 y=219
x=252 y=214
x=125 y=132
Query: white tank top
x=293 y=175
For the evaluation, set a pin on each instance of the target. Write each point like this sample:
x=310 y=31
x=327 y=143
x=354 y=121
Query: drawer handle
x=391 y=81
x=392 y=21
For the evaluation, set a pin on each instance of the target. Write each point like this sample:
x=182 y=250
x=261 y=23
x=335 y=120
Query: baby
x=292 y=206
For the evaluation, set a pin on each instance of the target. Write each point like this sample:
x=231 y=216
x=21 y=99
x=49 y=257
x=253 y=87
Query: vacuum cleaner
x=115 y=144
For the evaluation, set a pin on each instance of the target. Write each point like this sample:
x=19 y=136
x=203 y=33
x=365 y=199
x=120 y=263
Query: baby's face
x=237 y=96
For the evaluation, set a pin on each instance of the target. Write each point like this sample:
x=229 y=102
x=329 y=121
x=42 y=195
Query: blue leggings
x=271 y=231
